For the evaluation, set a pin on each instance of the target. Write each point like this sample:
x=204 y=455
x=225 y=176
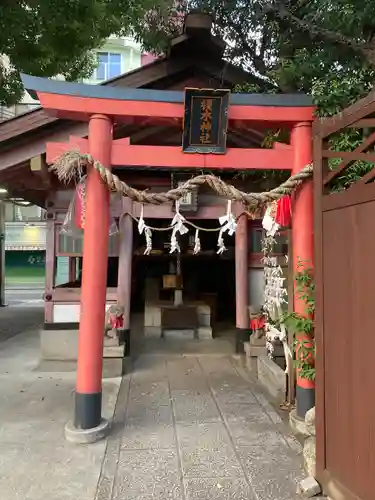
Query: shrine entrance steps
x=195 y=427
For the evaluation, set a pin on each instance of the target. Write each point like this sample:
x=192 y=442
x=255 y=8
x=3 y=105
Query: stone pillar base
x=306 y=428
x=86 y=436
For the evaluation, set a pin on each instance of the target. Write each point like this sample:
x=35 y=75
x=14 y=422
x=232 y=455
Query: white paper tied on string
x=179 y=221
x=269 y=224
x=197 y=243
x=141 y=222
x=148 y=235
x=175 y=247
x=220 y=243
x=228 y=221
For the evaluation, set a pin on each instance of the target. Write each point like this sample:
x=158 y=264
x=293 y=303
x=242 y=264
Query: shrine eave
x=79 y=101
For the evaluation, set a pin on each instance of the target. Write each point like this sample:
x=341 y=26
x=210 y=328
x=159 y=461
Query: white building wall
x=131 y=58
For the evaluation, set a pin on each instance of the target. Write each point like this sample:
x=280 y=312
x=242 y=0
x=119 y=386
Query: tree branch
x=278 y=8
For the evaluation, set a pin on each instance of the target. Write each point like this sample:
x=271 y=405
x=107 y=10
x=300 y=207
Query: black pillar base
x=242 y=335
x=305 y=400
x=88 y=410
x=126 y=340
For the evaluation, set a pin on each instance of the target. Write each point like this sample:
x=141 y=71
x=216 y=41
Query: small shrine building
x=144 y=126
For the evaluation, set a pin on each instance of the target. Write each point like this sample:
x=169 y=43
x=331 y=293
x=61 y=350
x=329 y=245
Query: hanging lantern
x=79 y=210
x=283 y=215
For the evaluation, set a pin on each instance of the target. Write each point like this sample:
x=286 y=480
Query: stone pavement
x=16 y=320
x=35 y=460
x=196 y=428
x=191 y=427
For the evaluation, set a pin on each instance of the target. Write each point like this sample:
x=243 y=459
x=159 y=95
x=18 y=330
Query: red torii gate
x=101 y=107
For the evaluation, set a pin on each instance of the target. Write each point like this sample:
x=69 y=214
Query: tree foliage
x=322 y=47
x=55 y=37
x=325 y=48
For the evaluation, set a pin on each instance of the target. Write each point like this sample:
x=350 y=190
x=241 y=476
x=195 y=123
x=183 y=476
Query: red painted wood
x=81 y=108
x=95 y=262
x=281 y=145
x=173 y=157
x=302 y=221
x=242 y=281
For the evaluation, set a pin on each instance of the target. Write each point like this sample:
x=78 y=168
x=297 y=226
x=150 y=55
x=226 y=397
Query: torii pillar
x=302 y=247
x=88 y=425
x=242 y=282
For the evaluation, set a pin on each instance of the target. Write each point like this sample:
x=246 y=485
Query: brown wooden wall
x=345 y=315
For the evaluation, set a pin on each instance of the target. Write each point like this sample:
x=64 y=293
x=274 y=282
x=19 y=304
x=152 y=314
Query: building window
x=109 y=66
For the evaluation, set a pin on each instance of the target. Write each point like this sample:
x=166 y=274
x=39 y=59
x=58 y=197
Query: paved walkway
x=195 y=428
x=191 y=427
x=14 y=320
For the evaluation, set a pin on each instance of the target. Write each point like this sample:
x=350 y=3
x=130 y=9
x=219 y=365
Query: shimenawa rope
x=70 y=165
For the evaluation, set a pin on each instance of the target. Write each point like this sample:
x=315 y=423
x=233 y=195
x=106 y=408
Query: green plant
x=297 y=323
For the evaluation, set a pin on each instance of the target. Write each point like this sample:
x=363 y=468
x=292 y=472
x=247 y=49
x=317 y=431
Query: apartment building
x=25 y=231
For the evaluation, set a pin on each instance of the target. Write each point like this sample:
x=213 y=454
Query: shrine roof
x=36 y=85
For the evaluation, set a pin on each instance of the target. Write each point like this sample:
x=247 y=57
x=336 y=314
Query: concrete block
x=251 y=364
x=256 y=351
x=152 y=315
x=257 y=342
x=179 y=334
x=204 y=320
x=297 y=424
x=152 y=331
x=247 y=349
x=111 y=342
x=205 y=332
x=309 y=487
x=59 y=345
x=62 y=345
x=114 y=351
x=204 y=309
x=310 y=422
x=272 y=377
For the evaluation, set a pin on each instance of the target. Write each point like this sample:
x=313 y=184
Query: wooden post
x=50 y=268
x=242 y=282
x=72 y=269
x=303 y=245
x=88 y=422
x=124 y=280
x=2 y=253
